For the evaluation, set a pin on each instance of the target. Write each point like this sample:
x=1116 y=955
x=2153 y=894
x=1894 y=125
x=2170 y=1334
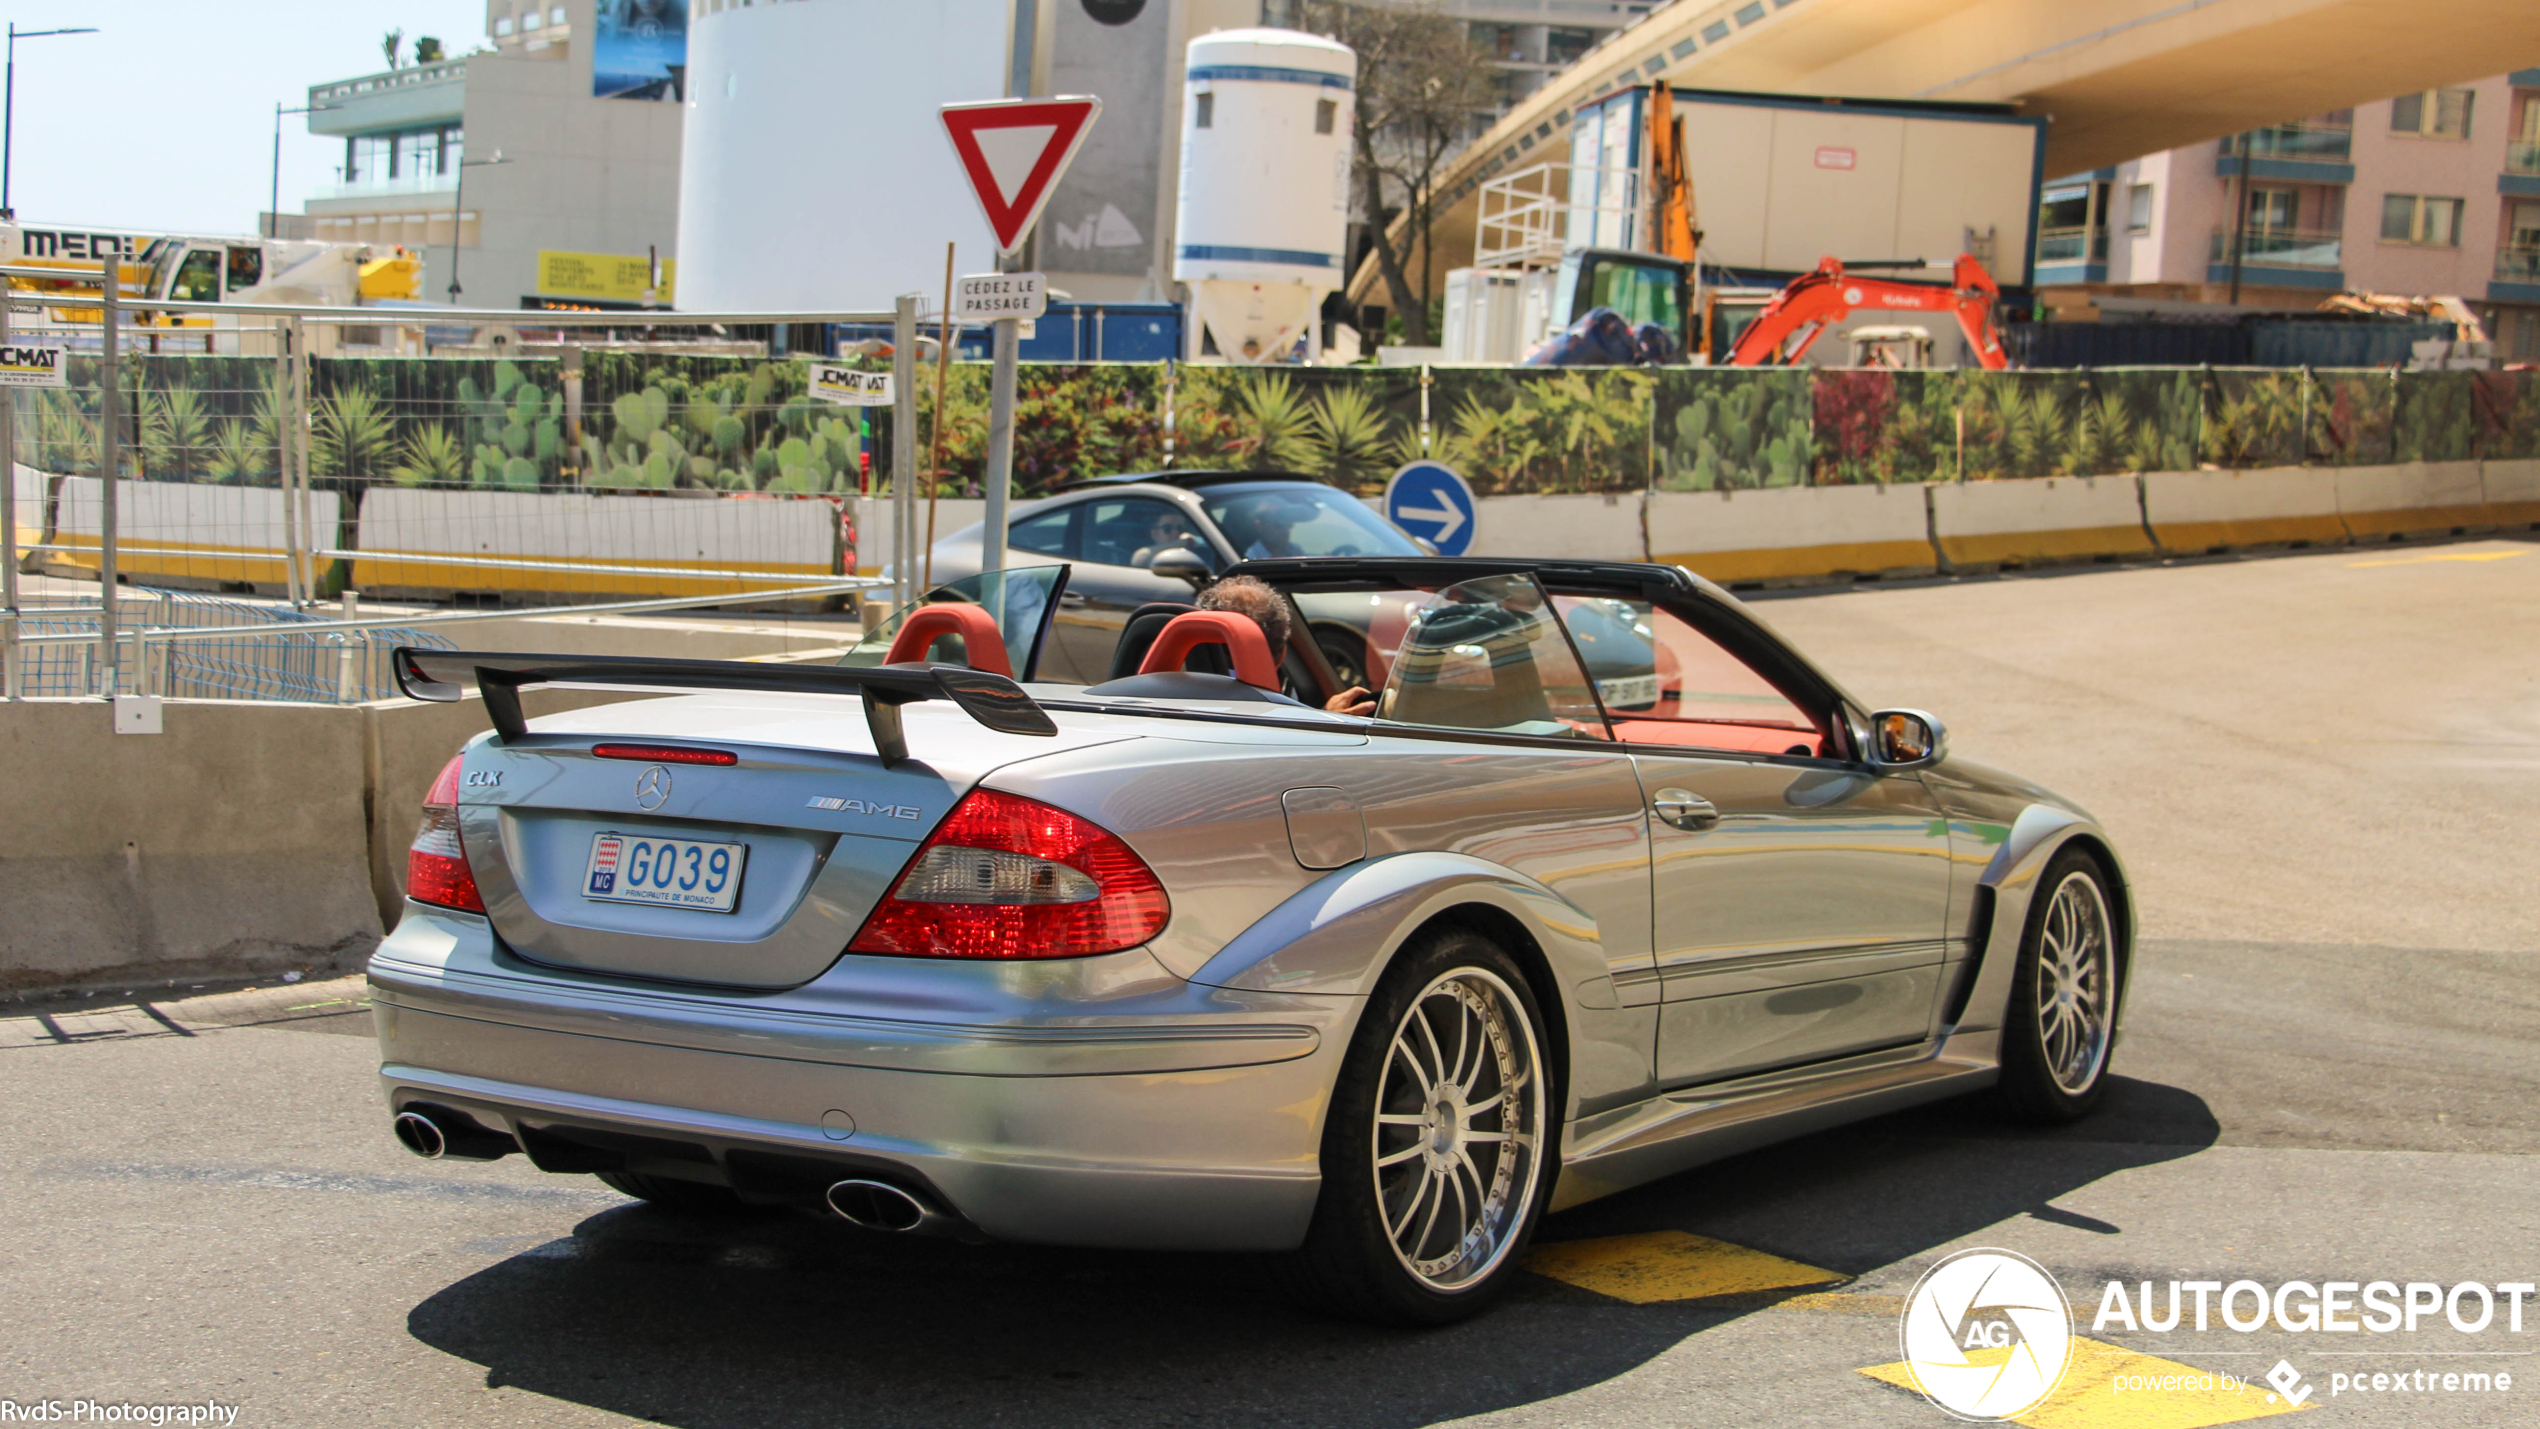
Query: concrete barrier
x=409 y=542
x=247 y=838
x=184 y=533
x=2419 y=498
x=873 y=523
x=2038 y=521
x=2512 y=492
x=32 y=489
x=2192 y=512
x=1603 y=527
x=1789 y=533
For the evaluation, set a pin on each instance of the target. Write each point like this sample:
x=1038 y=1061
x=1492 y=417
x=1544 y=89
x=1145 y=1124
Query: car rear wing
x=992 y=700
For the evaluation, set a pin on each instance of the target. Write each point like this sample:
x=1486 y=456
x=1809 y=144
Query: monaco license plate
x=673 y=873
x=1632 y=692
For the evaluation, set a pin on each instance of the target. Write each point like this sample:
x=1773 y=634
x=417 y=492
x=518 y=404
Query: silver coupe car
x=1611 y=883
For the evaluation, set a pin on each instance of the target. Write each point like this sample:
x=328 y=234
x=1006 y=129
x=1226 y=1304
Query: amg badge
x=858 y=806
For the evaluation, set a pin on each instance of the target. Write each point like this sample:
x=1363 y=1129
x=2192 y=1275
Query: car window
x=1666 y=682
x=1484 y=654
x=1048 y=534
x=1298 y=519
x=1133 y=531
x=1019 y=598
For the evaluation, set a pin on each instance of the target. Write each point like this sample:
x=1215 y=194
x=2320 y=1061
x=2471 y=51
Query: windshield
x=1292 y=518
x=1482 y=654
x=1020 y=602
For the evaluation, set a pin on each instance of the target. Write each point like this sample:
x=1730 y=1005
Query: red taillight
x=436 y=864
x=665 y=754
x=1007 y=877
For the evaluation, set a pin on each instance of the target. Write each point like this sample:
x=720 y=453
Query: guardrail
x=279 y=430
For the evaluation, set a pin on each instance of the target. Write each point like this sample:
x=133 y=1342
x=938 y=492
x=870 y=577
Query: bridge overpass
x=2114 y=78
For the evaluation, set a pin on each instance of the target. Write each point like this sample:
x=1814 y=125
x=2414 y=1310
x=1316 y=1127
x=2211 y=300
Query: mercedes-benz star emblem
x=652 y=788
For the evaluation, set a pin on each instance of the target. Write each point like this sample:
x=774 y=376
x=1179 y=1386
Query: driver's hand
x=1353 y=701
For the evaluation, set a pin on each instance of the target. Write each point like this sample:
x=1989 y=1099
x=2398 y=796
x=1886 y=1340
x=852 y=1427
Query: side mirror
x=1907 y=739
x=1183 y=564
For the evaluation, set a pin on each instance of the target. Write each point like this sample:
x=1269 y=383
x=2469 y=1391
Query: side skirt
x=1676 y=1131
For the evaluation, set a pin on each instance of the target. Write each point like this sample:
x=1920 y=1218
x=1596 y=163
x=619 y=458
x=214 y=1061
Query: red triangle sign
x=1014 y=150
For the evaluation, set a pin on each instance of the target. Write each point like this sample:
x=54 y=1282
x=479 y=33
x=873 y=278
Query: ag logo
x=652 y=788
x=1987 y=1334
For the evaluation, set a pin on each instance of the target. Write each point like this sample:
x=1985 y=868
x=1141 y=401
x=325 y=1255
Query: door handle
x=1684 y=809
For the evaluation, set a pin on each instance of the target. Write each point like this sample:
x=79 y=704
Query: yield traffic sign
x=1014 y=150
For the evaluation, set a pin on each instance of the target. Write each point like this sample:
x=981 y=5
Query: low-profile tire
x=1435 y=1149
x=675 y=1195
x=2060 y=1027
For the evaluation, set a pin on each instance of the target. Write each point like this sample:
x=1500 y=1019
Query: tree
x=1420 y=79
x=427 y=50
x=392 y=44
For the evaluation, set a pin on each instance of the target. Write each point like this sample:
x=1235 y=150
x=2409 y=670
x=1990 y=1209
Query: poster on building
x=640 y=50
x=621 y=278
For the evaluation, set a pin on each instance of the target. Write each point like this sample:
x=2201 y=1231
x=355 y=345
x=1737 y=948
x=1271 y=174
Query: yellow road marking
x=2106 y=1387
x=2444 y=556
x=1670 y=1265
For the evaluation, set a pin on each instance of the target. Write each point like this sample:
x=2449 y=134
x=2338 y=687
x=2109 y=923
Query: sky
x=163 y=121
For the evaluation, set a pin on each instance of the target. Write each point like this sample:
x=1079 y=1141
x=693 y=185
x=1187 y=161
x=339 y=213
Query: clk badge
x=652 y=788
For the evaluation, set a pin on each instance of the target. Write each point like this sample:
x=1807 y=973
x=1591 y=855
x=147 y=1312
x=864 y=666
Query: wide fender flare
x=2041 y=832
x=1337 y=935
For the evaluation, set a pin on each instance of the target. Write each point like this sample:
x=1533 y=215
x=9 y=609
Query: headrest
x=1245 y=645
x=982 y=642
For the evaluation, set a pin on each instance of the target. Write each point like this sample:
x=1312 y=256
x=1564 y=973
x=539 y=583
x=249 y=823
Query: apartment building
x=2420 y=194
x=543 y=166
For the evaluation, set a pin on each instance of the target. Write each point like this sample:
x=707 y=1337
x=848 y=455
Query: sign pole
x=8 y=524
x=903 y=445
x=1000 y=445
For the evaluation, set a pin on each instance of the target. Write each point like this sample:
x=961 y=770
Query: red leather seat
x=1246 y=646
x=978 y=631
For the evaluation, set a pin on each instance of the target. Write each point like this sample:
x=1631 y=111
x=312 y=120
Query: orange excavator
x=1800 y=313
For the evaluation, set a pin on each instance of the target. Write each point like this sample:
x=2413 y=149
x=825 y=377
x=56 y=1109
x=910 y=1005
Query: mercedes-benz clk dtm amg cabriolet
x=1610 y=883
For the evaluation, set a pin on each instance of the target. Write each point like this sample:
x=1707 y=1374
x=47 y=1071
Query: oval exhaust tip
x=877 y=1205
x=421 y=1135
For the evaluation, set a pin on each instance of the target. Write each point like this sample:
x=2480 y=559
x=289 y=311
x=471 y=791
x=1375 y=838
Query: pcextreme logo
x=1987 y=1334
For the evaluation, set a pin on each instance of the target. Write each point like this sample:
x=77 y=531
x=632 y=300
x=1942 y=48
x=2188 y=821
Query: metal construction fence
x=611 y=474
x=228 y=649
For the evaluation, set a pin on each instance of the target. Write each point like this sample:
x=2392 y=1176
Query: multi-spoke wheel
x=1435 y=1151
x=2063 y=1014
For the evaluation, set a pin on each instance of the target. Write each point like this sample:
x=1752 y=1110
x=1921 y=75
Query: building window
x=1204 y=111
x=502 y=27
x=2271 y=209
x=2410 y=218
x=534 y=20
x=1326 y=112
x=2437 y=113
x=555 y=18
x=2138 y=208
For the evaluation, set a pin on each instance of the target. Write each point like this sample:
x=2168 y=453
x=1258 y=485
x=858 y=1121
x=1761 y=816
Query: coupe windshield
x=1295 y=518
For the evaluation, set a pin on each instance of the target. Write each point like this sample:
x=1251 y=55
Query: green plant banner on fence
x=1719 y=429
x=1516 y=430
x=1351 y=427
x=729 y=424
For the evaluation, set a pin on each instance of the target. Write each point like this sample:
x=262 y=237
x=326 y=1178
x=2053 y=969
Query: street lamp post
x=9 y=104
x=273 y=204
x=458 y=205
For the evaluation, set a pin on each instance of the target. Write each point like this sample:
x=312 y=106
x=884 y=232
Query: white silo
x=1263 y=216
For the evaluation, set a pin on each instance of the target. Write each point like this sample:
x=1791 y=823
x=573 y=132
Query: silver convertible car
x=1181 y=960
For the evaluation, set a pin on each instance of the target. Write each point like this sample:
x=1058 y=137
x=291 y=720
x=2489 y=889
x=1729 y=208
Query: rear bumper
x=1034 y=1108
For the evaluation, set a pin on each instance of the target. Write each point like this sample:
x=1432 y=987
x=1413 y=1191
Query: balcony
x=2280 y=258
x=373 y=184
x=2522 y=156
x=2517 y=274
x=2072 y=245
x=2306 y=153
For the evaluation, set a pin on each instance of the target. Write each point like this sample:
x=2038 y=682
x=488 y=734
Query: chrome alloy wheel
x=1459 y=1129
x=2075 y=983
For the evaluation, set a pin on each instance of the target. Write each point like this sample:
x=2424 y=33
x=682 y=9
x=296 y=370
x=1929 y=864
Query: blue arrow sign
x=1427 y=499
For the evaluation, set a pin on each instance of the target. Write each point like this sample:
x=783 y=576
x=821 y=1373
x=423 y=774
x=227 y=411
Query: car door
x=1798 y=897
x=1116 y=536
x=1050 y=535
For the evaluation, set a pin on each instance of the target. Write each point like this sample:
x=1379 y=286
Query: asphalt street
x=2322 y=768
